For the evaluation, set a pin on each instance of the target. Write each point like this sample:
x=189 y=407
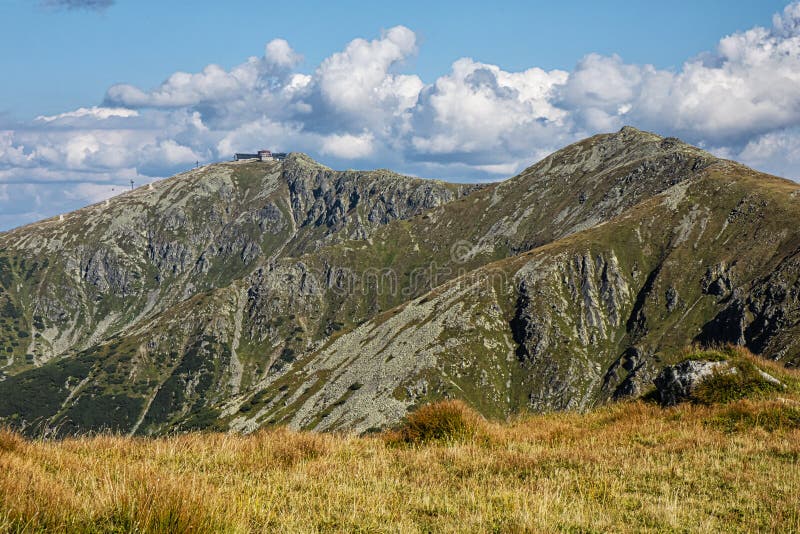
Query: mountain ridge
x=333 y=299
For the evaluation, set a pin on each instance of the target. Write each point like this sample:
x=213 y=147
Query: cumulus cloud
x=184 y=89
x=279 y=53
x=358 y=81
x=348 y=146
x=361 y=104
x=778 y=151
x=477 y=110
x=749 y=86
x=93 y=192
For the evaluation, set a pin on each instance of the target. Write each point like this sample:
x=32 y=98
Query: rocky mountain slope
x=248 y=294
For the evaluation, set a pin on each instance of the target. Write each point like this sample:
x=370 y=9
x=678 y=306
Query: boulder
x=676 y=383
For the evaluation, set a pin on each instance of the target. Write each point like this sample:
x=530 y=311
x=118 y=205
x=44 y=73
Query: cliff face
x=248 y=294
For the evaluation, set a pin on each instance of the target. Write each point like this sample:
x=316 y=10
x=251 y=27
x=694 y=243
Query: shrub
x=446 y=421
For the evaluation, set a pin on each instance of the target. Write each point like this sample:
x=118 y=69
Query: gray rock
x=676 y=383
x=673 y=299
x=717 y=280
x=771 y=379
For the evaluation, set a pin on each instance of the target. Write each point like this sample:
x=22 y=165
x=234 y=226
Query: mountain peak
x=632 y=131
x=303 y=160
x=630 y=137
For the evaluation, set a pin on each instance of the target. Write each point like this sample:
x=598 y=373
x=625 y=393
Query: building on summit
x=262 y=155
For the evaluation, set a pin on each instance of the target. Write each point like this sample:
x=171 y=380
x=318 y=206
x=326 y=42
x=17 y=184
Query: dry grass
x=450 y=421
x=631 y=467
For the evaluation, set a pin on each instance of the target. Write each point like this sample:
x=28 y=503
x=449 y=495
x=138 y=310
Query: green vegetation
x=709 y=355
x=743 y=416
x=36 y=395
x=726 y=386
x=94 y=411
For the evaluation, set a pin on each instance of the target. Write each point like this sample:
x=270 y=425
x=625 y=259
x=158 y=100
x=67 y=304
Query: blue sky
x=93 y=95
x=142 y=42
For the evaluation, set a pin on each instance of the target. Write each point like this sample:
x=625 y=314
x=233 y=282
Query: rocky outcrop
x=630 y=375
x=676 y=383
x=763 y=315
x=570 y=313
x=357 y=201
x=717 y=281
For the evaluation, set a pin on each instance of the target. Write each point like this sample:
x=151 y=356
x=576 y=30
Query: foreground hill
x=246 y=295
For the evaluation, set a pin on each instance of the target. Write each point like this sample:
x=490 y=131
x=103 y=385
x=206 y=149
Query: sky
x=96 y=93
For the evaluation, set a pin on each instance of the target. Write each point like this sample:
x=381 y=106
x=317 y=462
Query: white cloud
x=358 y=79
x=481 y=108
x=778 y=151
x=361 y=103
x=11 y=154
x=751 y=85
x=348 y=146
x=185 y=89
x=602 y=90
x=89 y=192
x=260 y=133
x=94 y=112
x=250 y=80
x=502 y=169
x=279 y=53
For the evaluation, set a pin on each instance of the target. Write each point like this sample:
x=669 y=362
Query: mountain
x=248 y=294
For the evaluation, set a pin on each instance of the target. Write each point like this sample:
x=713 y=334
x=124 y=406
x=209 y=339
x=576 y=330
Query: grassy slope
x=630 y=467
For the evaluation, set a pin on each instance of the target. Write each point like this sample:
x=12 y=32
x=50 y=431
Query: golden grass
x=630 y=467
x=448 y=421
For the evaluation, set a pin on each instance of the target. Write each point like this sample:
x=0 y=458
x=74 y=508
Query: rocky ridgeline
x=247 y=294
x=105 y=267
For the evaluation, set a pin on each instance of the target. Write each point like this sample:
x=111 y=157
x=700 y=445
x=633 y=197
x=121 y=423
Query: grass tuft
x=724 y=386
x=706 y=354
x=450 y=421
